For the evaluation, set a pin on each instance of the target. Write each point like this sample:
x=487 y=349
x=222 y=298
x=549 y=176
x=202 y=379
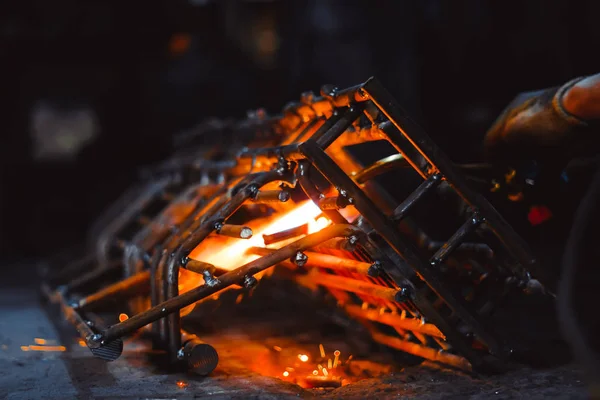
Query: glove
x=536 y=126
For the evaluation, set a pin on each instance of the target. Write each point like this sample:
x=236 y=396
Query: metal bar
x=126 y=287
x=234 y=231
x=423 y=351
x=320 y=260
x=350 y=285
x=430 y=183
x=385 y=227
x=387 y=164
x=230 y=278
x=505 y=233
x=325 y=137
x=285 y=234
x=468 y=227
x=395 y=320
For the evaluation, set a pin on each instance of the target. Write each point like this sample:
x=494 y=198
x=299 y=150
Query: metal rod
x=387 y=164
x=272 y=196
x=422 y=351
x=430 y=183
x=230 y=278
x=199 y=266
x=395 y=320
x=285 y=234
x=234 y=231
x=468 y=227
x=132 y=285
x=326 y=137
x=350 y=285
x=320 y=260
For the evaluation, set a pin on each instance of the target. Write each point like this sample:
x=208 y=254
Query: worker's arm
x=551 y=124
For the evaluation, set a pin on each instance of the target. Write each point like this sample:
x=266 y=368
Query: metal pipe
x=395 y=320
x=230 y=278
x=469 y=226
x=285 y=234
x=320 y=260
x=132 y=285
x=234 y=231
x=430 y=183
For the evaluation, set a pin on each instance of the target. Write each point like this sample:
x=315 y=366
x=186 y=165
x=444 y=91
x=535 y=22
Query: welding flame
x=229 y=254
x=234 y=255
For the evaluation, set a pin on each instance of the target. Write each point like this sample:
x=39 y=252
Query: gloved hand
x=536 y=126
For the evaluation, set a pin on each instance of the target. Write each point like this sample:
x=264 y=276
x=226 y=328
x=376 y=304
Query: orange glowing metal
x=285 y=373
x=303 y=357
x=234 y=255
x=182 y=384
x=123 y=317
x=39 y=341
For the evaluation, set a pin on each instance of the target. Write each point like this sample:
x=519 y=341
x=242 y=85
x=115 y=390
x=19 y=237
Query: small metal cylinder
x=199 y=266
x=201 y=358
x=234 y=231
x=330 y=203
x=272 y=196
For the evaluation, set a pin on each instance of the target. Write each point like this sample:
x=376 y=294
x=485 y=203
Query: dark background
x=147 y=70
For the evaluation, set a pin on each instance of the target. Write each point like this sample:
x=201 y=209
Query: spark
x=303 y=357
x=43 y=348
x=336 y=359
x=285 y=373
x=322 y=350
x=182 y=384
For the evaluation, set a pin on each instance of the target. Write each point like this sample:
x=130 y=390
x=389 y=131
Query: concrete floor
x=74 y=373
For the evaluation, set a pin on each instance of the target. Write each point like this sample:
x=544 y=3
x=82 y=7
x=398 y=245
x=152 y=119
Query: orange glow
x=43 y=348
x=123 y=317
x=182 y=384
x=285 y=373
x=82 y=343
x=39 y=341
x=303 y=357
x=233 y=254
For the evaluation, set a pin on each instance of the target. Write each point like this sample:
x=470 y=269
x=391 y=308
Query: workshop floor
x=74 y=373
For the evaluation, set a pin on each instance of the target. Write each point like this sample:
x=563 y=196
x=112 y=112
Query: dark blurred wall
x=146 y=70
